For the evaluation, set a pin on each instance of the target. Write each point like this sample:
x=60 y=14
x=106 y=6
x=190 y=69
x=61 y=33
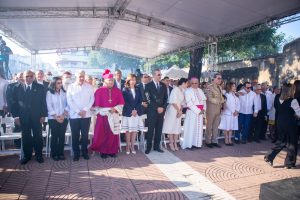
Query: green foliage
x=180 y=59
x=104 y=59
x=256 y=44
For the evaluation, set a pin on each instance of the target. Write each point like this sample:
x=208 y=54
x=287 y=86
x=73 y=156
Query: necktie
x=157 y=86
x=27 y=90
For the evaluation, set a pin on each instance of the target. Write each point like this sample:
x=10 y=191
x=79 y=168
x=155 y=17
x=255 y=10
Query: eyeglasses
x=29 y=76
x=146 y=77
x=58 y=83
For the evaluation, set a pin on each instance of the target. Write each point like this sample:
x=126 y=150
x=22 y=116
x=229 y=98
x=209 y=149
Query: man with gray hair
x=157 y=99
x=80 y=99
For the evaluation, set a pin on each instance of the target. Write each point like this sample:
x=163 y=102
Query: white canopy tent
x=140 y=28
x=175 y=73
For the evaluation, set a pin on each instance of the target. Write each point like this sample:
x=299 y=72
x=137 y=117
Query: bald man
x=30 y=110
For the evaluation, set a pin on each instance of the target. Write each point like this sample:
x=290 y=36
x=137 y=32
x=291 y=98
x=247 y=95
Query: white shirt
x=40 y=82
x=269 y=97
x=294 y=105
x=118 y=84
x=26 y=86
x=56 y=103
x=232 y=104
x=3 y=88
x=133 y=92
x=80 y=97
x=246 y=102
x=257 y=103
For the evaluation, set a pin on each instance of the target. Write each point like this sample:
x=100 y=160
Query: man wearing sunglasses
x=246 y=96
x=215 y=101
x=157 y=99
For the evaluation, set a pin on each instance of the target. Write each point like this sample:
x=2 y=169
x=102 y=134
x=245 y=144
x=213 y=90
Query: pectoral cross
x=109 y=94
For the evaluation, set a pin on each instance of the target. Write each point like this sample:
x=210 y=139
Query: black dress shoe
x=112 y=155
x=104 y=156
x=56 y=158
x=216 y=145
x=268 y=161
x=62 y=157
x=194 y=147
x=24 y=161
x=237 y=141
x=86 y=157
x=190 y=149
x=257 y=141
x=147 y=151
x=159 y=150
x=273 y=141
x=39 y=159
x=76 y=158
x=209 y=145
x=263 y=138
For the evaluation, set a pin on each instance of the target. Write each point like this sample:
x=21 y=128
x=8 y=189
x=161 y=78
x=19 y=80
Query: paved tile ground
x=239 y=170
x=125 y=177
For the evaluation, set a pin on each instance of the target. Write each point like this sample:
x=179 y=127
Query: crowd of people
x=243 y=113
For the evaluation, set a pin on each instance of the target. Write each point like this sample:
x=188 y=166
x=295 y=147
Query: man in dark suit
x=10 y=98
x=119 y=82
x=40 y=78
x=141 y=87
x=166 y=81
x=260 y=114
x=30 y=110
x=157 y=98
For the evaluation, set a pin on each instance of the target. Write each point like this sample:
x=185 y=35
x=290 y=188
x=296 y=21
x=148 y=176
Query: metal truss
x=119 y=12
x=18 y=40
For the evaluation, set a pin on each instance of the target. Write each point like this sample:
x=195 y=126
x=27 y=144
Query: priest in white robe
x=193 y=123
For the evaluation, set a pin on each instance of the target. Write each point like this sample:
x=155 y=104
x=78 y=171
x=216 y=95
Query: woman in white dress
x=229 y=116
x=193 y=122
x=173 y=116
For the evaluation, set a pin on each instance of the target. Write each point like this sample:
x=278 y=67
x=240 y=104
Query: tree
x=180 y=59
x=196 y=56
x=256 y=44
x=105 y=58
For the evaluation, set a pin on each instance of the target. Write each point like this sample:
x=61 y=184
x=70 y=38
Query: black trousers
x=256 y=127
x=80 y=125
x=289 y=142
x=155 y=124
x=32 y=137
x=58 y=131
x=264 y=127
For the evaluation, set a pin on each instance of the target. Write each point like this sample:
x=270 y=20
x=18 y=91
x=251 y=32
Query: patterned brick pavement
x=239 y=170
x=125 y=177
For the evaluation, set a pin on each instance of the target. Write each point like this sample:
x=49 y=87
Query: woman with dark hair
x=287 y=126
x=230 y=112
x=172 y=123
x=132 y=110
x=57 y=117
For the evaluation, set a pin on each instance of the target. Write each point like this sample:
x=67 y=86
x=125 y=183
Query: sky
x=290 y=30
